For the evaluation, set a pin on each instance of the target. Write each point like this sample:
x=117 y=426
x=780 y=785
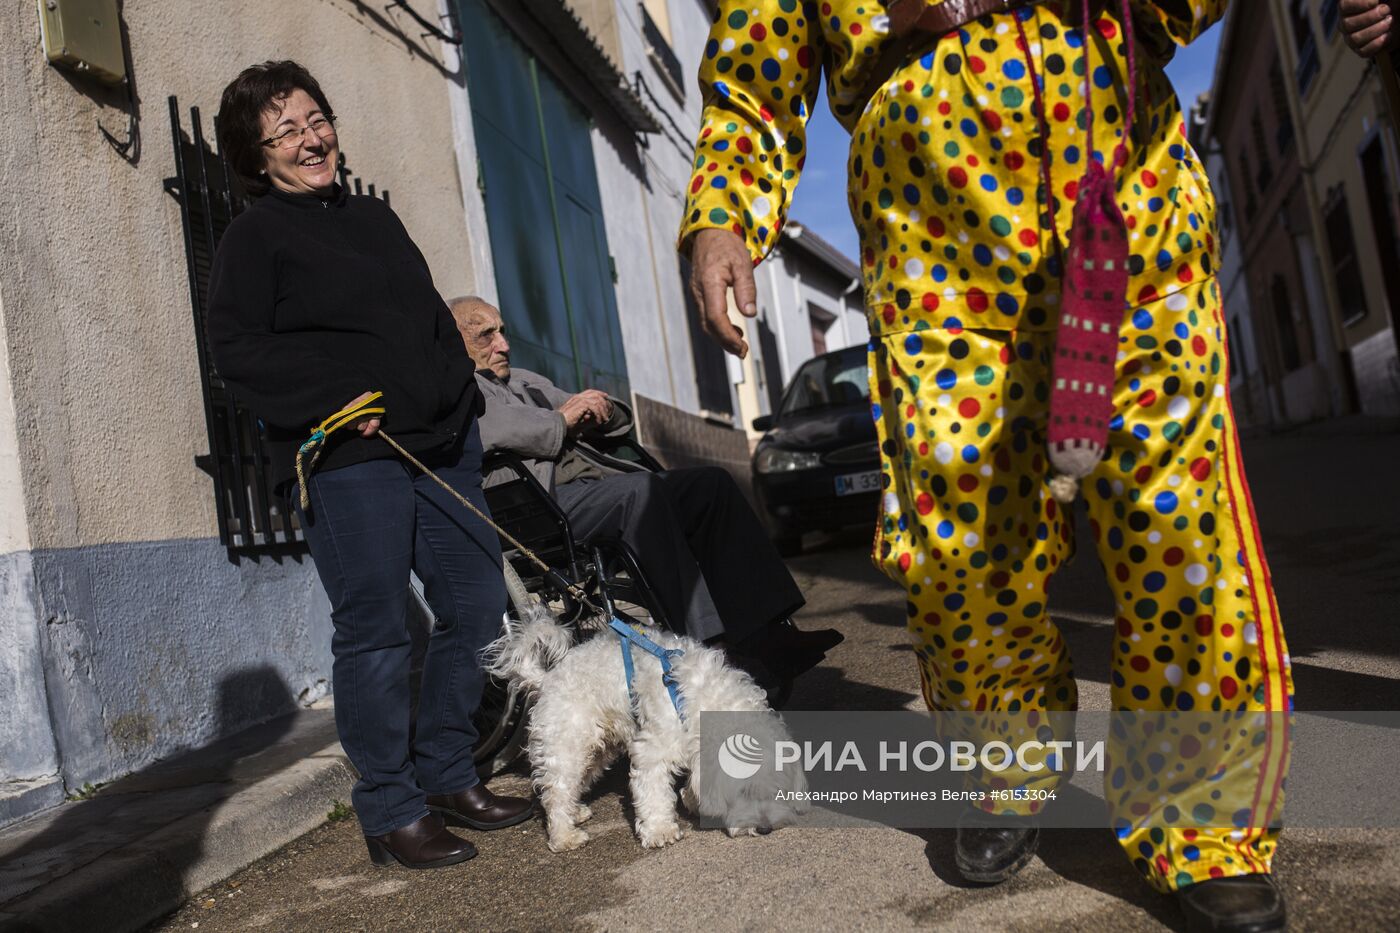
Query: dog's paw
x=656 y=836
x=583 y=813
x=734 y=832
x=565 y=840
x=689 y=798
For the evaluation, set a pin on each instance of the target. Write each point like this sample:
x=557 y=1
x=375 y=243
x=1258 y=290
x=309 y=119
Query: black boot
x=788 y=651
x=1239 y=904
x=991 y=849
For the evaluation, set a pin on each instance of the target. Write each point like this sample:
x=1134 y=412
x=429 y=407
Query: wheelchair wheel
x=500 y=719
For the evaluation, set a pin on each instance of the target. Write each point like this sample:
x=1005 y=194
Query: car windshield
x=829 y=381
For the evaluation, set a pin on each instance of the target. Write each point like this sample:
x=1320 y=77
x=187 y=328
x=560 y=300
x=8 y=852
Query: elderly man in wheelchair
x=683 y=543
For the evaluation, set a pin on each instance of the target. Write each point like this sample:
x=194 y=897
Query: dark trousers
x=370 y=524
x=704 y=552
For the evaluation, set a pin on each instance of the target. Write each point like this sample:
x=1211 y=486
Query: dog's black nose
x=764 y=830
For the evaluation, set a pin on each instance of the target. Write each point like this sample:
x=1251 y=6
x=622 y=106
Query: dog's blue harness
x=630 y=637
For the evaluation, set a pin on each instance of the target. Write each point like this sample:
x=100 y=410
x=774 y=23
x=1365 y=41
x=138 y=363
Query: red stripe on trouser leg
x=1193 y=631
x=1279 y=685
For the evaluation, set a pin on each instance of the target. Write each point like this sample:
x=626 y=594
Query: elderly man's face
x=485 y=336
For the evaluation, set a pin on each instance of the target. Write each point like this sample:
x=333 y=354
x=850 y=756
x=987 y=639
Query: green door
x=543 y=210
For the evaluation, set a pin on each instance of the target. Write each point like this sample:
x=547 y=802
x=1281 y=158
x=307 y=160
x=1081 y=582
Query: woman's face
x=304 y=160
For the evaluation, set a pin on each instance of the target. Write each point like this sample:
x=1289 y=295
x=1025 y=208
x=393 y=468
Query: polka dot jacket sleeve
x=1183 y=20
x=759 y=77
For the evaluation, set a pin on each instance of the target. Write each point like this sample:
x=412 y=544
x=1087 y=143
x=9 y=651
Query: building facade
x=538 y=162
x=1250 y=119
x=1303 y=157
x=124 y=616
x=1249 y=389
x=1347 y=145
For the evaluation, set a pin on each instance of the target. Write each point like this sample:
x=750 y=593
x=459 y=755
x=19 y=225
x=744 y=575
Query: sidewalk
x=139 y=847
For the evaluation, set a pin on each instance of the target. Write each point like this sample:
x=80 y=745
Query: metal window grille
x=253 y=519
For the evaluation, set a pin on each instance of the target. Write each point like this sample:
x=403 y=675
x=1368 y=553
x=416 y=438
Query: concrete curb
x=150 y=877
x=24 y=798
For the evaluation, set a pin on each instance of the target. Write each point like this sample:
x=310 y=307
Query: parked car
x=817 y=467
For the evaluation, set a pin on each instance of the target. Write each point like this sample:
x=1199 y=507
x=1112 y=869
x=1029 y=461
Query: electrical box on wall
x=84 y=36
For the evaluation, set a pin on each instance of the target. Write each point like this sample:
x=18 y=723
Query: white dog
x=583 y=718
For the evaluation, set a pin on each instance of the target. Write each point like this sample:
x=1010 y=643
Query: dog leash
x=554 y=577
x=367 y=409
x=627 y=634
x=628 y=637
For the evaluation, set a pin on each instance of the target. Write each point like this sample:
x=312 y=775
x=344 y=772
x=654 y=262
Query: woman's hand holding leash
x=369 y=426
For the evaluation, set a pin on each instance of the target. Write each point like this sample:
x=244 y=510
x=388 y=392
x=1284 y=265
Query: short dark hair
x=254 y=92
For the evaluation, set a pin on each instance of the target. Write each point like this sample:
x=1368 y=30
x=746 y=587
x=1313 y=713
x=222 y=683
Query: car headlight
x=778 y=460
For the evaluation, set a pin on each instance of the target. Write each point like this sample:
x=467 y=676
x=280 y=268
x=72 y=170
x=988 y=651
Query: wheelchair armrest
x=511 y=463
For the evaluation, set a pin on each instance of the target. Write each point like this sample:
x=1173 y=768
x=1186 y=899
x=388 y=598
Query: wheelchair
x=605 y=569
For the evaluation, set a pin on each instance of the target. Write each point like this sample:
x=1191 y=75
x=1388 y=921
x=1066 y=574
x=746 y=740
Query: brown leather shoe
x=480 y=809
x=425 y=843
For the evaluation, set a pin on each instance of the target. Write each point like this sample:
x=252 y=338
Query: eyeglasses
x=322 y=126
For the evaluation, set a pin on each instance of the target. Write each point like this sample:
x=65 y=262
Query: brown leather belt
x=914 y=22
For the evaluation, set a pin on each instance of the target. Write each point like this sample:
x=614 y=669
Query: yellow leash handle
x=347 y=415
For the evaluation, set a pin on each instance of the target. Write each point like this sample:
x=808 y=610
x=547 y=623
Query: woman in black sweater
x=318 y=298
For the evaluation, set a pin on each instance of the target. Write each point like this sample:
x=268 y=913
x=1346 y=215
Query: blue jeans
x=369 y=525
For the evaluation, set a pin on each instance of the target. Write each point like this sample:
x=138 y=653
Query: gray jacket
x=521 y=416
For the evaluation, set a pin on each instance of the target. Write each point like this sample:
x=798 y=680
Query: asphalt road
x=1327 y=504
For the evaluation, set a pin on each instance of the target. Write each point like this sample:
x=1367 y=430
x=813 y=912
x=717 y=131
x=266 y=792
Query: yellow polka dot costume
x=962 y=285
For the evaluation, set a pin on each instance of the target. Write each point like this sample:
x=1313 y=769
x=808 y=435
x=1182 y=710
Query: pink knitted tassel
x=1092 y=301
x=1093 y=293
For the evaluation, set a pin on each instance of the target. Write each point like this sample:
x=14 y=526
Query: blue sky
x=820 y=202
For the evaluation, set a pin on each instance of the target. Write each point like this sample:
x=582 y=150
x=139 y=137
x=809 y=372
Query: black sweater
x=313 y=302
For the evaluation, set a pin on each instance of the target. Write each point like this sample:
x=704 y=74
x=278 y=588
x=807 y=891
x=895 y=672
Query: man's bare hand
x=720 y=261
x=369 y=426
x=1366 y=24
x=586 y=409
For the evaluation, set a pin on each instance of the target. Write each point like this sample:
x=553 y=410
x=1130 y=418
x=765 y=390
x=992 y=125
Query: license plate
x=853 y=483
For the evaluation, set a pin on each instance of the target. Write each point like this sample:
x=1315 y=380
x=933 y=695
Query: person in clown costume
x=977 y=128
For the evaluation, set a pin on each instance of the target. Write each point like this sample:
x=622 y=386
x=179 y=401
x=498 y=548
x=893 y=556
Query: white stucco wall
x=643 y=197
x=99 y=332
x=126 y=633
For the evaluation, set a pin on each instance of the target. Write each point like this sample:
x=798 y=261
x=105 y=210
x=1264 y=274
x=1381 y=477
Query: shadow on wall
x=388 y=19
x=119 y=117
x=185 y=789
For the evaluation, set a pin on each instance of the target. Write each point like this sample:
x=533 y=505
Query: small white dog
x=583 y=718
